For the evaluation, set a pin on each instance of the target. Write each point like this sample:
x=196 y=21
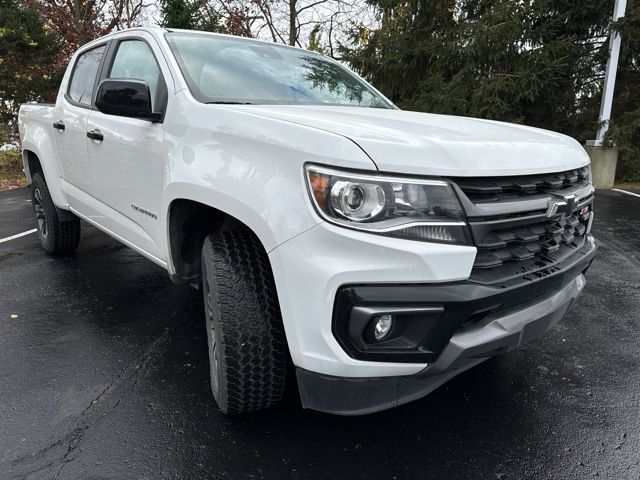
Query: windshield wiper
x=231 y=103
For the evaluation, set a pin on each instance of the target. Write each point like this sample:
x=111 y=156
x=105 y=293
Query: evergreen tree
x=189 y=14
x=30 y=66
x=537 y=62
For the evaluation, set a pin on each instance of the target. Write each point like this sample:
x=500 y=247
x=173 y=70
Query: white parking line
x=18 y=235
x=624 y=191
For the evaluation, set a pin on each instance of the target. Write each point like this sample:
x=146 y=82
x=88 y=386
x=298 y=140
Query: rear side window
x=135 y=60
x=84 y=75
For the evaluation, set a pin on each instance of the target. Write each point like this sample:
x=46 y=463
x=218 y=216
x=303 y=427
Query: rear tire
x=55 y=236
x=247 y=346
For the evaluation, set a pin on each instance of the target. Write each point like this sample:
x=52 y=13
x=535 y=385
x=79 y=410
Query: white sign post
x=609 y=77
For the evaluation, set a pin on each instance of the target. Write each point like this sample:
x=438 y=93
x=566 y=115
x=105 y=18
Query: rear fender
x=39 y=142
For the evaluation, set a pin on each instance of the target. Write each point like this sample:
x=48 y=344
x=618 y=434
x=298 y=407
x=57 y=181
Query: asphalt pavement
x=104 y=375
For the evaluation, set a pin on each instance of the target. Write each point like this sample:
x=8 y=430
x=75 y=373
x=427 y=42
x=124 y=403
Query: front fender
x=249 y=167
x=273 y=208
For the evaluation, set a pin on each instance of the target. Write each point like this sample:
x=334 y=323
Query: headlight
x=414 y=209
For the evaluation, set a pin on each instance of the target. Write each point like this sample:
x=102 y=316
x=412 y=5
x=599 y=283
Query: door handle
x=95 y=135
x=59 y=125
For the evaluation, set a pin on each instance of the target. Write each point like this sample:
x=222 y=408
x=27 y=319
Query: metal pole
x=610 y=76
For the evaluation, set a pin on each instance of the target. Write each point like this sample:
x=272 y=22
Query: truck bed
x=35 y=121
x=36 y=112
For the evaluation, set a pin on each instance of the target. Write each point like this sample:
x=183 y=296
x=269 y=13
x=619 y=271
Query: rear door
x=127 y=159
x=70 y=118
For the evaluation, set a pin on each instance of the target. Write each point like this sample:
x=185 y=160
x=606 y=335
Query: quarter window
x=134 y=60
x=84 y=75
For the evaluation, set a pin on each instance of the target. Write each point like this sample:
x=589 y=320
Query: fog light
x=382 y=326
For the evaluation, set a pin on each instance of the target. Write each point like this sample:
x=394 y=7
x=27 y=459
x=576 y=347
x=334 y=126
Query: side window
x=84 y=75
x=134 y=60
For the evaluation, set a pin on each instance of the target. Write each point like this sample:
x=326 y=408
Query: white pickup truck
x=378 y=251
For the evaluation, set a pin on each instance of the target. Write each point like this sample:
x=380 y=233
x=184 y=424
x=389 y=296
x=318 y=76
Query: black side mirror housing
x=126 y=98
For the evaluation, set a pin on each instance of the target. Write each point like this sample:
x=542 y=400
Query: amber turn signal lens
x=319 y=184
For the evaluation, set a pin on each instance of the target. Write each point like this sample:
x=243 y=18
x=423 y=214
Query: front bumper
x=310 y=269
x=497 y=333
x=439 y=311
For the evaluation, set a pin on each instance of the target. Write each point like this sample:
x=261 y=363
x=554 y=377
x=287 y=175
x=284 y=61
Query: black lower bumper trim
x=461 y=304
x=361 y=396
x=500 y=334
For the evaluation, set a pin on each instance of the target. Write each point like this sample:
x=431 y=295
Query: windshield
x=236 y=70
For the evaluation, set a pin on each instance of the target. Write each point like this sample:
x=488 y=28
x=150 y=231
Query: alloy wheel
x=41 y=215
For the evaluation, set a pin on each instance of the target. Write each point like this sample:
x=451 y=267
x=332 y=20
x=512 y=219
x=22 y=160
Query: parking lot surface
x=104 y=375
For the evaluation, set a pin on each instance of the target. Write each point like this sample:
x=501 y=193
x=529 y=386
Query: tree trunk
x=293 y=34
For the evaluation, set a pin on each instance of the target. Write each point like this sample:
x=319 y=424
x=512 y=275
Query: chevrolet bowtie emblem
x=563 y=204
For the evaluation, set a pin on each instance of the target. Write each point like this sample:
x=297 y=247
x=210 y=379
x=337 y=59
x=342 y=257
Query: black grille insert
x=513 y=244
x=495 y=189
x=515 y=238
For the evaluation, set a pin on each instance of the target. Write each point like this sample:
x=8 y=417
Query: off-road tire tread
x=63 y=237
x=251 y=338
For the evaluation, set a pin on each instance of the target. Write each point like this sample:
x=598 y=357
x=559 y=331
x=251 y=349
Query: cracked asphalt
x=104 y=375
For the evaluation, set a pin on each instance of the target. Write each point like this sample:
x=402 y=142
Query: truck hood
x=428 y=144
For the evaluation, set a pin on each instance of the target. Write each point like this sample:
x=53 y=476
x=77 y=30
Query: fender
x=255 y=175
x=270 y=226
x=44 y=149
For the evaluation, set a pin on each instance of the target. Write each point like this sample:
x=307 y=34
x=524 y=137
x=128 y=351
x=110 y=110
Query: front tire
x=56 y=236
x=247 y=346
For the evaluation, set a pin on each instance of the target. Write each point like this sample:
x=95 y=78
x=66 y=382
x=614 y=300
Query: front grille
x=517 y=243
x=531 y=250
x=534 y=240
x=494 y=189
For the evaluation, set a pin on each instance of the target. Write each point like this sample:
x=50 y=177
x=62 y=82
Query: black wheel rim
x=41 y=216
x=212 y=333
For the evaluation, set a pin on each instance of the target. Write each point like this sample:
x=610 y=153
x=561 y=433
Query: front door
x=126 y=153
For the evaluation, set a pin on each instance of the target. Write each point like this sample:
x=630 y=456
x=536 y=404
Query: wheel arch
x=32 y=165
x=38 y=148
x=42 y=158
x=189 y=220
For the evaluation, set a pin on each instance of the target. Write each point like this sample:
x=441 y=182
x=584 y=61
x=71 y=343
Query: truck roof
x=158 y=31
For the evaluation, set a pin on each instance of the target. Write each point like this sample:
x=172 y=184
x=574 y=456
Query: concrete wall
x=603 y=165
